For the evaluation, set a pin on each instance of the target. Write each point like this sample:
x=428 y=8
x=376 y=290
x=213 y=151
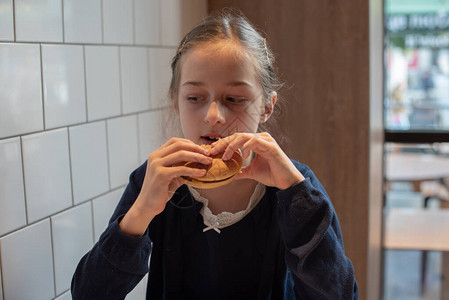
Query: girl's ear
x=269 y=107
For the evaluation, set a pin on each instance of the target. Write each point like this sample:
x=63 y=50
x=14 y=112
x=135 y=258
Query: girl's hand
x=270 y=166
x=164 y=167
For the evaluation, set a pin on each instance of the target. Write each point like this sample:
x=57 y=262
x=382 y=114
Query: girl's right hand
x=164 y=167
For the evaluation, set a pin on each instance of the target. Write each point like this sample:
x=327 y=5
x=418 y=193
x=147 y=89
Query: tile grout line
x=85 y=83
x=70 y=167
x=52 y=255
x=138 y=139
x=14 y=19
x=92 y=221
x=159 y=38
x=107 y=153
x=83 y=123
x=150 y=78
x=120 y=78
x=102 y=22
x=63 y=210
x=24 y=185
x=41 y=52
x=31 y=42
x=62 y=21
x=134 y=21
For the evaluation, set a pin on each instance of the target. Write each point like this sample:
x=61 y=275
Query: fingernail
x=225 y=156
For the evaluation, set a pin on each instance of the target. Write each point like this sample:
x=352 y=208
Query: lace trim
x=225 y=219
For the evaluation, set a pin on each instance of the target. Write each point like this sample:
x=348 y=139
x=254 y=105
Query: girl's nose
x=215 y=113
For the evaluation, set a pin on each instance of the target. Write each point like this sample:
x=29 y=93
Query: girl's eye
x=235 y=99
x=194 y=98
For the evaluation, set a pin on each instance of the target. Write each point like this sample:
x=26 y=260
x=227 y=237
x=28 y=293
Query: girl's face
x=219 y=93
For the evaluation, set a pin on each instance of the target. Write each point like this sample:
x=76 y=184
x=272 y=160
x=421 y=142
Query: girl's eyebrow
x=194 y=83
x=233 y=83
x=239 y=83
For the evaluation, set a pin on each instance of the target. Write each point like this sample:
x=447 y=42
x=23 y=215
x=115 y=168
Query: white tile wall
x=89 y=157
x=78 y=112
x=171 y=32
x=82 y=21
x=183 y=16
x=103 y=208
x=118 y=22
x=68 y=296
x=147 y=22
x=72 y=237
x=63 y=81
x=12 y=198
x=38 y=20
x=135 y=79
x=21 y=101
x=47 y=173
x=6 y=21
x=27 y=265
x=150 y=133
x=123 y=149
x=102 y=82
x=160 y=74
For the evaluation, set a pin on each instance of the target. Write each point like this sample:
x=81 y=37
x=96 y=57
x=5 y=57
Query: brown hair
x=231 y=25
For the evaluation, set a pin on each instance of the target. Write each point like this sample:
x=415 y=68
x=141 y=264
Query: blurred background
x=83 y=86
x=416 y=118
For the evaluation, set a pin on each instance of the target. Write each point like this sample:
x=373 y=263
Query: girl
x=270 y=234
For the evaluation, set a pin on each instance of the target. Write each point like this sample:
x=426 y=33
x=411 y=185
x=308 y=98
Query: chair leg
x=424 y=258
x=423 y=271
x=426 y=201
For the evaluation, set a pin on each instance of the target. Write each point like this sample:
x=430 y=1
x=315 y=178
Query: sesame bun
x=219 y=172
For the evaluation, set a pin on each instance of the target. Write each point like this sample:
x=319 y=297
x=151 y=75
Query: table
x=420 y=229
x=417 y=168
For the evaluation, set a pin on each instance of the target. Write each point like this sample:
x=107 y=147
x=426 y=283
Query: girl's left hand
x=270 y=166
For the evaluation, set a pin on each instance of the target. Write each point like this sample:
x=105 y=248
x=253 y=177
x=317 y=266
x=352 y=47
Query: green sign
x=416 y=6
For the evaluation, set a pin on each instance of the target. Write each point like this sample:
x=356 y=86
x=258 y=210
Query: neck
x=233 y=197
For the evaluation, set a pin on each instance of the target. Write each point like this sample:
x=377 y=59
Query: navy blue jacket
x=289 y=246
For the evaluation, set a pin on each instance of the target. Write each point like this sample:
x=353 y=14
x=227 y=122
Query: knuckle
x=183 y=153
x=151 y=161
x=150 y=157
x=250 y=135
x=267 y=136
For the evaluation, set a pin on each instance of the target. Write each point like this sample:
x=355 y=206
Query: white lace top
x=225 y=219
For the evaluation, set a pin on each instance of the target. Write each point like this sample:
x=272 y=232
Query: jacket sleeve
x=117 y=262
x=315 y=254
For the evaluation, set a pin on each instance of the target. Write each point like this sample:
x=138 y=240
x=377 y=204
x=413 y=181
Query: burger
x=219 y=172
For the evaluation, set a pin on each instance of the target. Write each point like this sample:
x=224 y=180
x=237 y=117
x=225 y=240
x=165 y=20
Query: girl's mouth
x=209 y=139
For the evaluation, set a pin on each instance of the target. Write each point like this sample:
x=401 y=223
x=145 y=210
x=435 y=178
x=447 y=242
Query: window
x=417 y=65
x=416 y=119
